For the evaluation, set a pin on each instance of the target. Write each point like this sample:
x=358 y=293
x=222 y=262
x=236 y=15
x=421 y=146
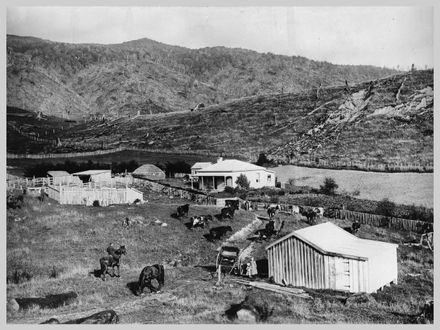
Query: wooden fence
x=380 y=220
x=363 y=218
x=87 y=196
x=366 y=165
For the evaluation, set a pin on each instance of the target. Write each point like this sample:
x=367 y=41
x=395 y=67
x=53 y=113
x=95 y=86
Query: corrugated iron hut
x=149 y=171
x=325 y=256
x=62 y=177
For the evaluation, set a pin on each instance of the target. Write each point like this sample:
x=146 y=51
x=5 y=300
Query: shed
x=149 y=171
x=94 y=175
x=62 y=177
x=326 y=256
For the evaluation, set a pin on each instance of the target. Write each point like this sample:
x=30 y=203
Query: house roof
x=58 y=173
x=92 y=172
x=147 y=169
x=201 y=165
x=232 y=165
x=331 y=239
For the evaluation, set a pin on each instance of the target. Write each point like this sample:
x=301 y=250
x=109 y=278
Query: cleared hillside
x=147 y=77
x=383 y=121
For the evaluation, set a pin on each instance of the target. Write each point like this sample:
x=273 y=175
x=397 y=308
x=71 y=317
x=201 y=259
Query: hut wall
x=294 y=262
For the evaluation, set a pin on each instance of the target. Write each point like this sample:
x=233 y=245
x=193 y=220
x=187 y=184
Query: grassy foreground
x=59 y=247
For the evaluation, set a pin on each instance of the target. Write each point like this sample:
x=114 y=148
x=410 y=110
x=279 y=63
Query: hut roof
x=147 y=169
x=92 y=172
x=55 y=174
x=329 y=238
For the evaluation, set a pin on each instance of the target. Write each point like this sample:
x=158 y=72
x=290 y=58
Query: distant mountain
x=147 y=77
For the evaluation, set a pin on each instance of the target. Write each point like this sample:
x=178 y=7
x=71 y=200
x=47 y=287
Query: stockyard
x=158 y=184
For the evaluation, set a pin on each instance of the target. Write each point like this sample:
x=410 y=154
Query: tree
x=243 y=182
x=386 y=208
x=329 y=187
x=263 y=161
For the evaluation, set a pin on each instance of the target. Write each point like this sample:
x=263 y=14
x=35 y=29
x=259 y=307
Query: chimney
x=219 y=159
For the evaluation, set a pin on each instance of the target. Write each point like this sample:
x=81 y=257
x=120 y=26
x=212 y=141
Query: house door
x=229 y=181
x=342 y=273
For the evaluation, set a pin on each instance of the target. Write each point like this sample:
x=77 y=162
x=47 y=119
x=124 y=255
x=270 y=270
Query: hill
x=384 y=121
x=144 y=76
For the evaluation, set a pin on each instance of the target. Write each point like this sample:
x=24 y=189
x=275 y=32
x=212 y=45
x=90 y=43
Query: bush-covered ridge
x=151 y=77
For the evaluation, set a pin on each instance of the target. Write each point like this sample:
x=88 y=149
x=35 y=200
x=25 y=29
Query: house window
x=269 y=178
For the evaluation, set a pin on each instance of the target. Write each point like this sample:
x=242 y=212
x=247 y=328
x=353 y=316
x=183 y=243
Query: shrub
x=229 y=190
x=329 y=187
x=386 y=208
x=242 y=181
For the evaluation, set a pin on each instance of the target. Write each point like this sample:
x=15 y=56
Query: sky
x=381 y=36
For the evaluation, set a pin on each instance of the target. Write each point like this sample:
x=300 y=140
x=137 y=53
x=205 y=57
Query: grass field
x=401 y=188
x=59 y=248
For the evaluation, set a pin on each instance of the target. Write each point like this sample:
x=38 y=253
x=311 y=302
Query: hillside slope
x=383 y=121
x=147 y=77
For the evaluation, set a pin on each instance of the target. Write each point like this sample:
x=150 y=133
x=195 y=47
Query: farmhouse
x=224 y=173
x=94 y=175
x=325 y=256
x=149 y=171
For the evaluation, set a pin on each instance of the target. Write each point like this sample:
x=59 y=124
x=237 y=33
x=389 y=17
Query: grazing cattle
x=218 y=232
x=207 y=217
x=294 y=209
x=198 y=221
x=232 y=203
x=319 y=211
x=227 y=212
x=149 y=273
x=310 y=214
x=113 y=260
x=104 y=317
x=355 y=226
x=272 y=210
x=183 y=210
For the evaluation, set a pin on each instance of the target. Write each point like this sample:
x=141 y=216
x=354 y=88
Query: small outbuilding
x=62 y=177
x=149 y=171
x=94 y=175
x=326 y=256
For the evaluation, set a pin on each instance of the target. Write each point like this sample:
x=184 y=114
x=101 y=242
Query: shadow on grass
x=132 y=286
x=96 y=273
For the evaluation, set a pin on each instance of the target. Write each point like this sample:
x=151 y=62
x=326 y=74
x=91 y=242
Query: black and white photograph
x=219 y=164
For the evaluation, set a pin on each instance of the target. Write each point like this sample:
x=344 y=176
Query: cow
x=309 y=213
x=272 y=210
x=294 y=209
x=198 y=221
x=183 y=210
x=232 y=203
x=355 y=226
x=227 y=212
x=319 y=211
x=148 y=274
x=218 y=232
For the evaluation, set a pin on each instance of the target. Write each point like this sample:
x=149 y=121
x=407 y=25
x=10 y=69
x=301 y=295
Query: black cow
x=183 y=210
x=355 y=226
x=310 y=214
x=218 y=232
x=148 y=274
x=272 y=210
x=232 y=203
x=227 y=212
